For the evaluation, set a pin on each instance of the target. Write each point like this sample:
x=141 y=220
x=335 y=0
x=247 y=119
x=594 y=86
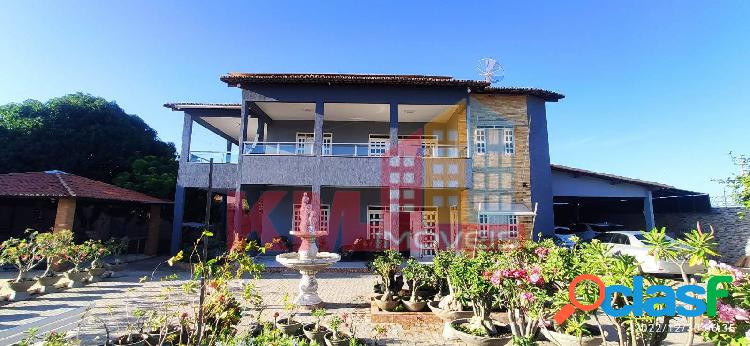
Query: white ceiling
x=231 y=126
x=358 y=112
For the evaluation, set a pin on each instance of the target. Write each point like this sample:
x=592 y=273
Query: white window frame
x=510 y=220
x=305 y=139
x=377 y=145
x=480 y=141
x=509 y=144
x=325 y=212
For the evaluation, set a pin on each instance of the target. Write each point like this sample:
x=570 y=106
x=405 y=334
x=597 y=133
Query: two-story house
x=407 y=162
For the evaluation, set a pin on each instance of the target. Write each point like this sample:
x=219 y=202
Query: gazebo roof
x=61 y=184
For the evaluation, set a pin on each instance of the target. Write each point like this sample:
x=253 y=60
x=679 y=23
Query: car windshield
x=607 y=228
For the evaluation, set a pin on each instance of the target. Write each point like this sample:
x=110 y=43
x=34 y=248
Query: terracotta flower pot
x=291 y=329
x=475 y=340
x=312 y=335
x=414 y=306
x=21 y=286
x=343 y=339
x=385 y=305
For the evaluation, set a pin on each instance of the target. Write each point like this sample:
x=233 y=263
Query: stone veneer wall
x=496 y=174
x=732 y=233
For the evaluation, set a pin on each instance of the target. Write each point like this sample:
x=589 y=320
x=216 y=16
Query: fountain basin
x=308 y=266
x=321 y=261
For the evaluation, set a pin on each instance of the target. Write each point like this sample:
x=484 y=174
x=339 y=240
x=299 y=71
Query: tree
x=84 y=135
x=152 y=175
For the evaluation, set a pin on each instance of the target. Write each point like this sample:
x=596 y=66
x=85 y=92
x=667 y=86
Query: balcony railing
x=372 y=149
x=277 y=148
x=206 y=156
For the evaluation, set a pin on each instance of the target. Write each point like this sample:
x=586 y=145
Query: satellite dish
x=490 y=70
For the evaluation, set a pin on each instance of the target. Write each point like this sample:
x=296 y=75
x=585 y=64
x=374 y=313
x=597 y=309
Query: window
x=498 y=226
x=480 y=141
x=324 y=217
x=508 y=144
x=306 y=140
x=377 y=145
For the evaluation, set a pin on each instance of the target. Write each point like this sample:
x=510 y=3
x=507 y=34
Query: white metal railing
x=410 y=148
x=278 y=148
x=206 y=156
x=355 y=149
x=372 y=149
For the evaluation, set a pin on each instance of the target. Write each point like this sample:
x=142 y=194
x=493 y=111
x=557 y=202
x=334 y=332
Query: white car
x=632 y=243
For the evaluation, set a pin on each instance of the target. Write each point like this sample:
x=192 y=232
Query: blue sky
x=654 y=90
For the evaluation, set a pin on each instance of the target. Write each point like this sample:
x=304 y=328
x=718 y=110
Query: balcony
x=217 y=156
x=371 y=149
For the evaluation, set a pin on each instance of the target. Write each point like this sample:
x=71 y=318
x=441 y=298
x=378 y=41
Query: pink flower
x=496 y=278
x=741 y=314
x=536 y=277
x=707 y=324
x=527 y=296
x=541 y=252
x=725 y=312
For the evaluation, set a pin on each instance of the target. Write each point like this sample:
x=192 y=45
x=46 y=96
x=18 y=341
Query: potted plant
x=76 y=254
x=335 y=337
x=315 y=331
x=134 y=335
x=24 y=254
x=387 y=266
x=52 y=245
x=117 y=248
x=97 y=250
x=574 y=331
x=288 y=325
x=468 y=273
x=449 y=307
x=418 y=275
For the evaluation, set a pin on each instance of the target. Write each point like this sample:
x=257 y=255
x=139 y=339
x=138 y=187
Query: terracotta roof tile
x=61 y=184
x=180 y=106
x=541 y=93
x=234 y=78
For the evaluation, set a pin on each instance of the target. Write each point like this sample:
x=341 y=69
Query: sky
x=655 y=90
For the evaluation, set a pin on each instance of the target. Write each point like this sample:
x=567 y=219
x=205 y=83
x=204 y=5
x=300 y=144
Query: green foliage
x=24 y=254
x=52 y=246
x=419 y=274
x=694 y=248
x=386 y=266
x=96 y=250
x=79 y=134
x=319 y=314
x=152 y=175
x=739 y=184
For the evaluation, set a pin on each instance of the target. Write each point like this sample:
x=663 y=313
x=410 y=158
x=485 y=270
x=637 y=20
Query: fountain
x=307 y=260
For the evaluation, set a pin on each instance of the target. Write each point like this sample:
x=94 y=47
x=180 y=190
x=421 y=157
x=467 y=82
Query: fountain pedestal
x=307 y=260
x=308 y=284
